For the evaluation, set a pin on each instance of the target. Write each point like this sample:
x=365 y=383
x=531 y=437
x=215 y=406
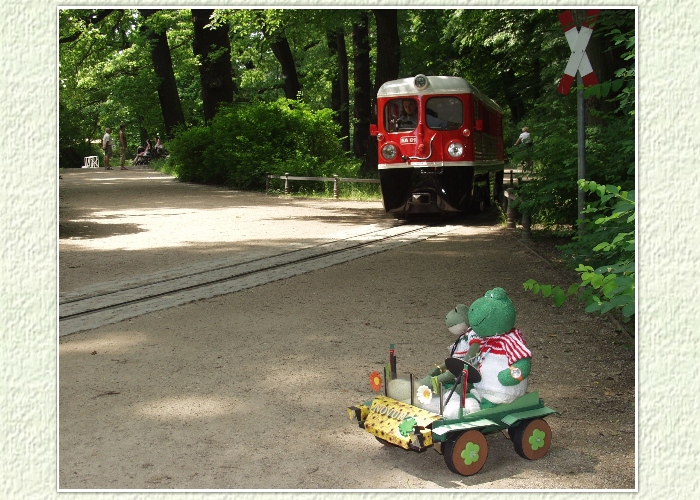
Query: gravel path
x=249 y=390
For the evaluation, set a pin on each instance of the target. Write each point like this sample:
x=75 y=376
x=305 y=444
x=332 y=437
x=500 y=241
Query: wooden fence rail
x=335 y=180
x=515 y=174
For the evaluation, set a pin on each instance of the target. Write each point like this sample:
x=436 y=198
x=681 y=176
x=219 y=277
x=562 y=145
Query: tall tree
x=363 y=87
x=340 y=98
x=212 y=47
x=274 y=33
x=283 y=53
x=163 y=65
x=387 y=68
x=388 y=46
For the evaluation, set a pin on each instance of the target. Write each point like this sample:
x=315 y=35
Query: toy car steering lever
x=458 y=367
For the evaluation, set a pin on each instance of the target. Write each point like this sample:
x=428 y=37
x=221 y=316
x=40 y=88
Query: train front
x=425 y=135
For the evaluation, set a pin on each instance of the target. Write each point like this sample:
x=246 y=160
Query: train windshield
x=441 y=113
x=401 y=115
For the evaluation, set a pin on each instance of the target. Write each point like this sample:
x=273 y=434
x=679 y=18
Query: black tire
x=460 y=448
x=532 y=438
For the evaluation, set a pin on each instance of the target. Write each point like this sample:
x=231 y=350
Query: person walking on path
x=107 y=147
x=122 y=145
x=524 y=138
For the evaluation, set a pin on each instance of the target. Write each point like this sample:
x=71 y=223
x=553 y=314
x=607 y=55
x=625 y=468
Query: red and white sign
x=409 y=140
x=578 y=40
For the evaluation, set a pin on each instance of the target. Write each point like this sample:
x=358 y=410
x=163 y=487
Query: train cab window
x=443 y=113
x=401 y=115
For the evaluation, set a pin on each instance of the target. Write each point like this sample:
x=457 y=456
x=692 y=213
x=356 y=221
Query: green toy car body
x=460 y=440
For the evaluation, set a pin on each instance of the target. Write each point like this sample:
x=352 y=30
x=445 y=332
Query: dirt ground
x=249 y=390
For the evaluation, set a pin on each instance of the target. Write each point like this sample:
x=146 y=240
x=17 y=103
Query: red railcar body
x=439 y=143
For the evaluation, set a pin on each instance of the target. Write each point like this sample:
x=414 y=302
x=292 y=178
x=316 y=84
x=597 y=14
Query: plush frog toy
x=456 y=323
x=503 y=358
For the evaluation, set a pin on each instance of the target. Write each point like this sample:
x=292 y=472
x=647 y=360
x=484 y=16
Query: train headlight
x=455 y=149
x=389 y=151
x=421 y=82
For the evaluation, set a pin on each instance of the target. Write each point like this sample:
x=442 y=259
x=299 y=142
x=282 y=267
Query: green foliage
x=245 y=141
x=604 y=251
x=550 y=194
x=605 y=254
x=106 y=75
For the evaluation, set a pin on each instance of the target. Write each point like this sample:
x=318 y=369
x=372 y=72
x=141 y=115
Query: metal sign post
x=580 y=67
x=581 y=151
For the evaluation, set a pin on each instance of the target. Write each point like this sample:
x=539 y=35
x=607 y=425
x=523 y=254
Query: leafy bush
x=245 y=141
x=607 y=270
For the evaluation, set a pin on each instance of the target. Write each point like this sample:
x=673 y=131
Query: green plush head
x=456 y=319
x=492 y=314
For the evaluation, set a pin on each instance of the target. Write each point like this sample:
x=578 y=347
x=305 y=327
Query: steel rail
x=110 y=306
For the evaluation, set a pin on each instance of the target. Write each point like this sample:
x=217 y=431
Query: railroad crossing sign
x=578 y=40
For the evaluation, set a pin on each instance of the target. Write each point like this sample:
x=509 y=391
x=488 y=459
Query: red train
x=440 y=146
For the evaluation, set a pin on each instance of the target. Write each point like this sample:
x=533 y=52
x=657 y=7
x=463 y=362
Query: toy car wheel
x=466 y=453
x=532 y=438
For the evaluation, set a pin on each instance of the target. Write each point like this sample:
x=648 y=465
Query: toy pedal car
x=460 y=440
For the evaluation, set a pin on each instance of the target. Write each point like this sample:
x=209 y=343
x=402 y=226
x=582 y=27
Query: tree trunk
x=163 y=66
x=283 y=53
x=335 y=80
x=363 y=90
x=388 y=60
x=214 y=71
x=343 y=76
x=388 y=46
x=340 y=97
x=513 y=98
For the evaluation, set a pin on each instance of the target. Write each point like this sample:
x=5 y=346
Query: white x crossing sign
x=578 y=40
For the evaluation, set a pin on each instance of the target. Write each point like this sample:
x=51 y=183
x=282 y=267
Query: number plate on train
x=409 y=140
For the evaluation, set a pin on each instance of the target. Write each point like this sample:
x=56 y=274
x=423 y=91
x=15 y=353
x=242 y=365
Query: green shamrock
x=537 y=439
x=406 y=426
x=470 y=454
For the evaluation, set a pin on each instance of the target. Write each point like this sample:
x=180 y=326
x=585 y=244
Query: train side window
x=444 y=113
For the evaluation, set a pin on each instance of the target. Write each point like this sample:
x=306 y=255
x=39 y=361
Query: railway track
x=111 y=303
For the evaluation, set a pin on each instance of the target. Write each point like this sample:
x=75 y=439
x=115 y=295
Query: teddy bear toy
x=503 y=358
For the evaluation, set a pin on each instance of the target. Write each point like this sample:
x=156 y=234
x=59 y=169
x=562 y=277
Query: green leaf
x=607 y=306
x=529 y=284
x=593 y=307
x=559 y=297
